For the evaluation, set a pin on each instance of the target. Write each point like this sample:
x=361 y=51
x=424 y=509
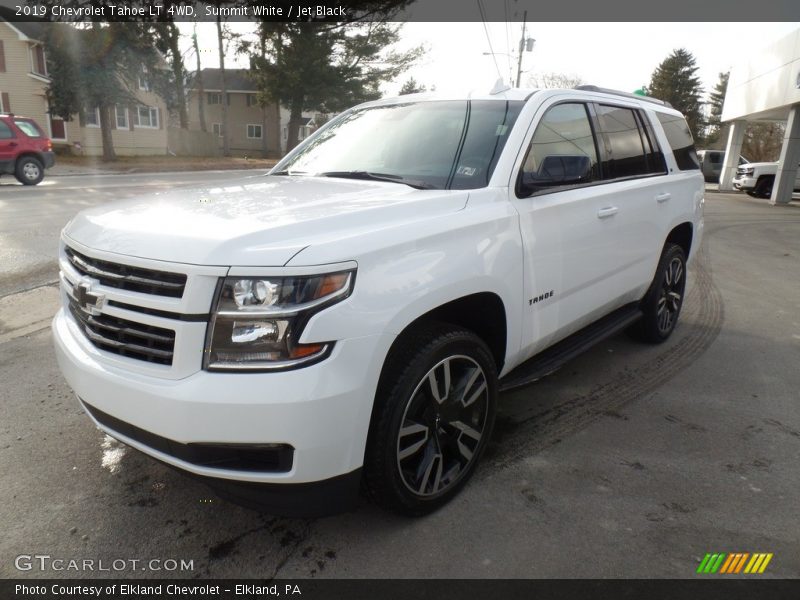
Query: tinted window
x=625 y=155
x=680 y=140
x=562 y=151
x=5 y=131
x=29 y=128
x=715 y=157
x=653 y=153
x=489 y=124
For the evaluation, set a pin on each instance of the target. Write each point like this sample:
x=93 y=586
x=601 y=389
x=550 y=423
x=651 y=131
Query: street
x=33 y=216
x=631 y=461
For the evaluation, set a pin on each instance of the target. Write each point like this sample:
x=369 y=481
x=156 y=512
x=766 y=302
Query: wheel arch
x=483 y=313
x=682 y=235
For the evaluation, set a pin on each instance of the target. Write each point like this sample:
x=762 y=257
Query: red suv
x=25 y=151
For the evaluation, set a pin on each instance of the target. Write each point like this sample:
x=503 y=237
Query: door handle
x=13 y=144
x=608 y=211
x=663 y=197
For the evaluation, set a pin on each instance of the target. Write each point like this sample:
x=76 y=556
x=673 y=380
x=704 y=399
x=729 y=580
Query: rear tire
x=29 y=170
x=662 y=304
x=433 y=416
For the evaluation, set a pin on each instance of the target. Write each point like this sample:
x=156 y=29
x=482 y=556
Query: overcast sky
x=615 y=55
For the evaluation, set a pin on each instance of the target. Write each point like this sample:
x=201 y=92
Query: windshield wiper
x=288 y=172
x=370 y=176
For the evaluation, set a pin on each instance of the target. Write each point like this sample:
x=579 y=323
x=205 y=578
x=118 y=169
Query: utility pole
x=521 y=47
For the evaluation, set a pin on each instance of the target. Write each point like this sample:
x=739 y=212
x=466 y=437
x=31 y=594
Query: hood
x=263 y=222
x=757 y=165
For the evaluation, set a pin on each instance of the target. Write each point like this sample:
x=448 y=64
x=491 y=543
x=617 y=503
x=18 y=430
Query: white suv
x=350 y=317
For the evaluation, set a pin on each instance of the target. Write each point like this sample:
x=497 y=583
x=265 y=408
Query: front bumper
x=321 y=411
x=744 y=183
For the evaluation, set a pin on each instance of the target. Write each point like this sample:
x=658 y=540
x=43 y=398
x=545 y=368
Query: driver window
x=562 y=151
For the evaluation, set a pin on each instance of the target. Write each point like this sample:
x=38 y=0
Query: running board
x=555 y=356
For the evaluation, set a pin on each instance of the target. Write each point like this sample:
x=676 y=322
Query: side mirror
x=557 y=169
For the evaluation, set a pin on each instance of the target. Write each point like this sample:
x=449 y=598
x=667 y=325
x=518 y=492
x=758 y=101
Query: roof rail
x=594 y=88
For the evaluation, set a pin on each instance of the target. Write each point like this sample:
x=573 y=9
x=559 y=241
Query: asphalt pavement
x=631 y=461
x=33 y=216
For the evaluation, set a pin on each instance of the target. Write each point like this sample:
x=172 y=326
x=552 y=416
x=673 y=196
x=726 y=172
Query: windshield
x=440 y=145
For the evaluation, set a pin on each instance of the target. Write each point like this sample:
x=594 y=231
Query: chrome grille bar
x=127 y=277
x=126 y=338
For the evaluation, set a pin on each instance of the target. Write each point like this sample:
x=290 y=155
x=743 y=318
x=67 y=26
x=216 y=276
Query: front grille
x=126 y=277
x=126 y=338
x=266 y=458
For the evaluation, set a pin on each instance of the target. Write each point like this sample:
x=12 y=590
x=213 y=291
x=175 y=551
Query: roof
x=235 y=80
x=30 y=28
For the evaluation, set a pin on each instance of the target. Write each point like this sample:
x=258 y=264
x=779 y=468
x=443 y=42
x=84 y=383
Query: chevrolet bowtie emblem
x=87 y=301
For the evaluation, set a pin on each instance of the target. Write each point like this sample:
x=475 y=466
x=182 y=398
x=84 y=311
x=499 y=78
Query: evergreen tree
x=411 y=86
x=675 y=80
x=714 y=133
x=327 y=67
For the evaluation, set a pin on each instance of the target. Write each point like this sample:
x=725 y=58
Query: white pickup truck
x=757 y=179
x=347 y=320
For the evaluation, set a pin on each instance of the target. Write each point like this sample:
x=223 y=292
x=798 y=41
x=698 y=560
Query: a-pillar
x=732 y=152
x=787 y=164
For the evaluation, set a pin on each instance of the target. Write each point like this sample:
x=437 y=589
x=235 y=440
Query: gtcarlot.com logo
x=45 y=562
x=733 y=563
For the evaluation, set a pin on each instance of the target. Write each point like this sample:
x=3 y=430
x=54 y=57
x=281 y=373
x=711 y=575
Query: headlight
x=257 y=321
x=746 y=171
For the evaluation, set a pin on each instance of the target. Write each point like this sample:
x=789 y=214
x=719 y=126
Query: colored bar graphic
x=754 y=563
x=740 y=564
x=703 y=563
x=734 y=563
x=717 y=563
x=727 y=564
x=765 y=563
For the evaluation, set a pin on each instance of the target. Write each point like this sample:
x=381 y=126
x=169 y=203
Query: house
x=23 y=72
x=252 y=129
x=138 y=129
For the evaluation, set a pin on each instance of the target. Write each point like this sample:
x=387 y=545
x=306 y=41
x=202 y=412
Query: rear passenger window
x=562 y=151
x=29 y=128
x=655 y=157
x=624 y=144
x=680 y=139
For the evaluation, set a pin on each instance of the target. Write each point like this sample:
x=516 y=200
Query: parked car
x=350 y=317
x=757 y=179
x=25 y=151
x=711 y=163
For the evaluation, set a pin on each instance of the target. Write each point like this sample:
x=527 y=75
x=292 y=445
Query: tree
x=555 y=80
x=763 y=140
x=226 y=142
x=97 y=67
x=715 y=132
x=327 y=67
x=167 y=38
x=675 y=80
x=201 y=94
x=412 y=87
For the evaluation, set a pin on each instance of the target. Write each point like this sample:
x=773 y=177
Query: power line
x=488 y=39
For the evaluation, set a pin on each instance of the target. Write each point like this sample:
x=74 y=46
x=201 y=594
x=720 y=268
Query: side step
x=555 y=356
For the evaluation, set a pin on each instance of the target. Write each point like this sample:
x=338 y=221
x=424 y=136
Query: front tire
x=763 y=187
x=662 y=304
x=433 y=416
x=29 y=170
